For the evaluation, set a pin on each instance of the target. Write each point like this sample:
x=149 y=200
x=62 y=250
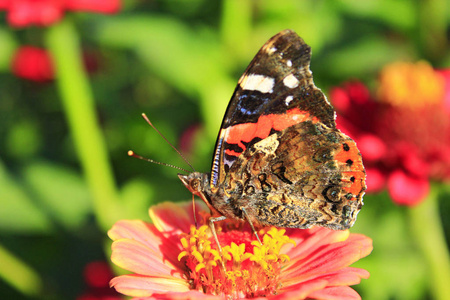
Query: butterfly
x=279 y=159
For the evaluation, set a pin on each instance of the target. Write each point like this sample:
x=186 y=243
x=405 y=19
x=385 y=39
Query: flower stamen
x=251 y=269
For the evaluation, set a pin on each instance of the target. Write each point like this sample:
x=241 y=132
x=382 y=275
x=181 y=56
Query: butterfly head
x=195 y=182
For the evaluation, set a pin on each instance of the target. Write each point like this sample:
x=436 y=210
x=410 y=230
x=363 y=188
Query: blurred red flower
x=403 y=131
x=97 y=275
x=173 y=259
x=32 y=63
x=23 y=13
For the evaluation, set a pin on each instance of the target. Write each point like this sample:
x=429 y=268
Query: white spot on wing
x=272 y=50
x=289 y=63
x=290 y=81
x=268 y=145
x=255 y=82
x=288 y=100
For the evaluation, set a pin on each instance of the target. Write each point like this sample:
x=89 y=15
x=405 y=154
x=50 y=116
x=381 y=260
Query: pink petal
x=346 y=276
x=130 y=229
x=42 y=13
x=406 y=190
x=310 y=239
x=375 y=180
x=336 y=293
x=302 y=291
x=340 y=99
x=191 y=295
x=372 y=147
x=4 y=4
x=328 y=258
x=445 y=73
x=415 y=165
x=100 y=6
x=143 y=286
x=171 y=218
x=133 y=256
x=358 y=92
x=342 y=277
x=146 y=234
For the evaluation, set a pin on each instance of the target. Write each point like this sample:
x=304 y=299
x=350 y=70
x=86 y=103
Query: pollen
x=245 y=269
x=411 y=85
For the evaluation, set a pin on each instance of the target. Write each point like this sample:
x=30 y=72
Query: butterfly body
x=279 y=158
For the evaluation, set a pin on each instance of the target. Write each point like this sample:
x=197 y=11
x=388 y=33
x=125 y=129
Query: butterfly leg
x=251 y=224
x=193 y=210
x=213 y=230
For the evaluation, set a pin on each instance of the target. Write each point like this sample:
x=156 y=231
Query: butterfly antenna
x=173 y=147
x=131 y=153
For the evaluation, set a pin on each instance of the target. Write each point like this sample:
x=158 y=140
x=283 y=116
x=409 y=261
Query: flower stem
x=236 y=23
x=429 y=234
x=18 y=274
x=79 y=107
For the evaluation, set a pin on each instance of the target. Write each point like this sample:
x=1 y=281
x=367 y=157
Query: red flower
x=172 y=259
x=97 y=275
x=32 y=63
x=35 y=64
x=23 y=13
x=404 y=132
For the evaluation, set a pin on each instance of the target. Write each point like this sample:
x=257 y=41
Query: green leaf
x=399 y=15
x=7 y=47
x=191 y=61
x=61 y=191
x=19 y=213
x=135 y=195
x=397 y=269
x=363 y=57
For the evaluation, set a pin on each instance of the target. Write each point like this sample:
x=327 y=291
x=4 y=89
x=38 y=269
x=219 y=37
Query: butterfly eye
x=195 y=184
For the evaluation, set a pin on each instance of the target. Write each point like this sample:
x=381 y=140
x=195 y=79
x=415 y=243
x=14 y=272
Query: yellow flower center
x=411 y=85
x=246 y=269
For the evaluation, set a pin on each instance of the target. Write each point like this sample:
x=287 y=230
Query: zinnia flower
x=46 y=12
x=173 y=259
x=403 y=132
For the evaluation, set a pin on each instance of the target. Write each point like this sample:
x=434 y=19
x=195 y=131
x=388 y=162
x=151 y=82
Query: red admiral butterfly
x=279 y=158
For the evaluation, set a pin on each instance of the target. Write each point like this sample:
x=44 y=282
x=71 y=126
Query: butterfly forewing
x=279 y=158
x=276 y=91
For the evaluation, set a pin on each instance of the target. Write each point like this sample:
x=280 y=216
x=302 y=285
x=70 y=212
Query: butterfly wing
x=307 y=174
x=275 y=92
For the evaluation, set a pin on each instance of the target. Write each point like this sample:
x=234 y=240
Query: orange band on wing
x=262 y=128
x=352 y=155
x=232 y=153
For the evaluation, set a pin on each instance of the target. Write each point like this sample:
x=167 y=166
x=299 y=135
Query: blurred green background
x=65 y=177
